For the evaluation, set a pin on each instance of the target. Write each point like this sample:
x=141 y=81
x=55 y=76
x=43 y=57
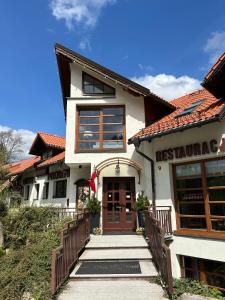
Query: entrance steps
x=115 y=267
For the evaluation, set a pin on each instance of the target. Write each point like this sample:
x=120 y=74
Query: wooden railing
x=65 y=212
x=163 y=215
x=160 y=251
x=73 y=240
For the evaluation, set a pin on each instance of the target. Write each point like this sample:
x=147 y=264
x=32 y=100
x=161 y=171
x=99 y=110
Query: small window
x=93 y=86
x=26 y=192
x=45 y=190
x=36 y=191
x=190 y=108
x=60 y=189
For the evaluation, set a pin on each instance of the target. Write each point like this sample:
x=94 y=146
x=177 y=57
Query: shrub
x=31 y=235
x=94 y=206
x=142 y=202
x=3 y=208
x=186 y=285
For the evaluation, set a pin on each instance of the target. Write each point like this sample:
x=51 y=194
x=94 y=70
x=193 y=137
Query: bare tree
x=10 y=146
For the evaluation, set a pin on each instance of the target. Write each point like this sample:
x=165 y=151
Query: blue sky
x=166 y=45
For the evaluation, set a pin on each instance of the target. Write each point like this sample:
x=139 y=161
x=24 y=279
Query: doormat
x=109 y=267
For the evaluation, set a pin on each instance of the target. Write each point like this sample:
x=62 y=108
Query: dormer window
x=93 y=86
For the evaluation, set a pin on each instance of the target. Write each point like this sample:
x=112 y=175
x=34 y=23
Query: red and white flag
x=92 y=181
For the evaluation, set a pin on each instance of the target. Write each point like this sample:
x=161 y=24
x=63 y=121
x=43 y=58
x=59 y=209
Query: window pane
x=112 y=127
x=89 y=145
x=89 y=128
x=216 y=181
x=98 y=88
x=190 y=195
x=217 y=281
x=216 y=195
x=89 y=136
x=113 y=111
x=192 y=209
x=193 y=223
x=108 y=89
x=218 y=224
x=189 y=183
x=116 y=119
x=88 y=79
x=215 y=266
x=188 y=170
x=91 y=112
x=215 y=171
x=89 y=120
x=88 y=89
x=112 y=145
x=217 y=209
x=113 y=136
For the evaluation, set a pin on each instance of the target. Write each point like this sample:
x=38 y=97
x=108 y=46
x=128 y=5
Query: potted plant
x=140 y=206
x=94 y=207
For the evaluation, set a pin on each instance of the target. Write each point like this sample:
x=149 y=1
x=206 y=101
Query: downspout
x=136 y=143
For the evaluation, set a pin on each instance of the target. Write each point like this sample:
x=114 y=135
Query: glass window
x=201 y=206
x=45 y=190
x=60 y=189
x=36 y=191
x=26 y=192
x=101 y=129
x=92 y=86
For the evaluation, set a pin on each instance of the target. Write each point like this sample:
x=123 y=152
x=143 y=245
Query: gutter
x=136 y=143
x=149 y=138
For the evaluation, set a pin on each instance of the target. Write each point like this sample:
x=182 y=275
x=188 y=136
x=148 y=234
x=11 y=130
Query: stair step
x=111 y=254
x=144 y=269
x=116 y=241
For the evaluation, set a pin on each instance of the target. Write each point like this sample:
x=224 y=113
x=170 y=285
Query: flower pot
x=141 y=219
x=95 y=221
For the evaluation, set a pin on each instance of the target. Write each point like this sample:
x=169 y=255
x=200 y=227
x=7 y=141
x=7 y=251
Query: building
x=135 y=141
x=188 y=149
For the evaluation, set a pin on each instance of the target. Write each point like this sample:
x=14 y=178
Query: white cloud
x=85 y=44
x=215 y=46
x=168 y=86
x=27 y=138
x=76 y=12
x=145 y=68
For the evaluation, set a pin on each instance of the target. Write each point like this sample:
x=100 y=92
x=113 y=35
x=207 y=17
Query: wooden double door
x=118 y=204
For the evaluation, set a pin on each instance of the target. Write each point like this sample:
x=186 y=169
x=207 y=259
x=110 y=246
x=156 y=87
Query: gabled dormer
x=47 y=145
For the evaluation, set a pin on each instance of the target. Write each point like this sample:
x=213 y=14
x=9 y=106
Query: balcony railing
x=163 y=215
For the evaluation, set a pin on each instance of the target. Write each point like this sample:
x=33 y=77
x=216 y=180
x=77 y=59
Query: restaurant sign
x=187 y=151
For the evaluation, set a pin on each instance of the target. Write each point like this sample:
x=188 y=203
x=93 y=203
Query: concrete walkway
x=101 y=284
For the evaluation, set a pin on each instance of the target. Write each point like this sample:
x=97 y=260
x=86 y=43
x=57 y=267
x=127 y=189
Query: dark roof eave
x=217 y=117
x=73 y=56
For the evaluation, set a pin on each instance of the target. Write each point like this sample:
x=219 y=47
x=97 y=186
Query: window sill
x=200 y=234
x=102 y=151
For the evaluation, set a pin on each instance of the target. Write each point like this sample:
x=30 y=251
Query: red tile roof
x=22 y=165
x=208 y=109
x=53 y=160
x=220 y=61
x=52 y=140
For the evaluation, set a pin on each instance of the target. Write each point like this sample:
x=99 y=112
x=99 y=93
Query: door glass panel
x=109 y=217
x=116 y=217
x=117 y=207
x=218 y=224
x=116 y=196
x=109 y=196
x=128 y=196
x=110 y=207
x=128 y=186
x=109 y=186
x=128 y=217
x=116 y=185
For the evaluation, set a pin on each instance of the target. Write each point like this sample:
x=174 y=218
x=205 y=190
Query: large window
x=200 y=196
x=93 y=86
x=101 y=129
x=209 y=271
x=59 y=189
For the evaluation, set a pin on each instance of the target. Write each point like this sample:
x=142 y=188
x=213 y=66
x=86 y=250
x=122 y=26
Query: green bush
x=142 y=202
x=186 y=285
x=3 y=208
x=94 y=206
x=31 y=235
